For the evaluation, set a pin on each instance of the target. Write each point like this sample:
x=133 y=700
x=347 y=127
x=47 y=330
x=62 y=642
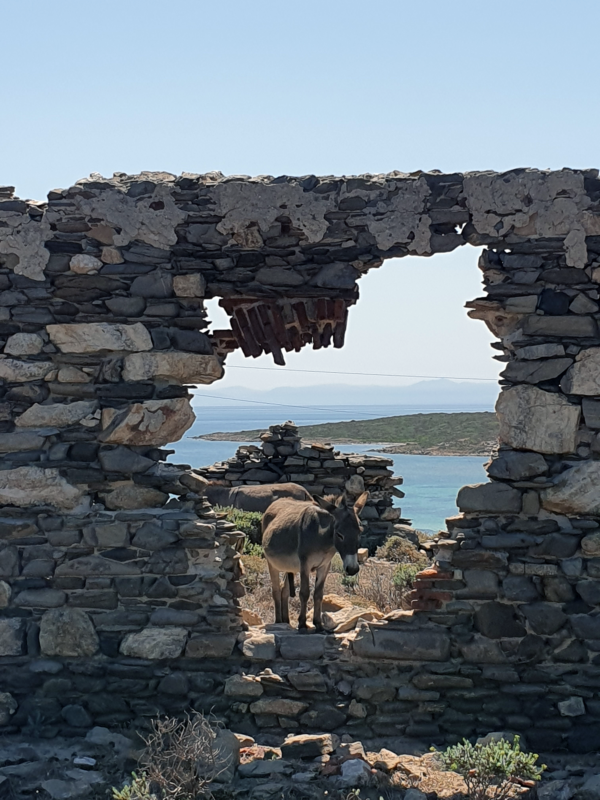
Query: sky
x=309 y=86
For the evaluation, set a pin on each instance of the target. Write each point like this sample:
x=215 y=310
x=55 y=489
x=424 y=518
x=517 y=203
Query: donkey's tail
x=290 y=577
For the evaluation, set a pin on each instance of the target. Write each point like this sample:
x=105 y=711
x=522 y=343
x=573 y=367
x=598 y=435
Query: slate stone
x=83 y=451
x=515 y=466
x=556 y=545
x=520 y=588
x=561 y=326
x=536 y=371
x=327 y=718
x=555 y=303
x=591 y=412
x=544 y=618
x=585 y=626
x=531 y=649
x=157 y=284
x=191 y=341
x=161 y=589
x=495 y=498
x=41 y=598
x=557 y=589
x=173 y=616
x=126 y=306
x=76 y=716
x=122 y=459
x=589 y=591
x=573 y=567
x=498 y=621
x=9 y=562
x=151 y=536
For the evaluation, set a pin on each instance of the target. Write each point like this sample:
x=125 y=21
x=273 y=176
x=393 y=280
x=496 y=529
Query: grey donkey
x=303 y=537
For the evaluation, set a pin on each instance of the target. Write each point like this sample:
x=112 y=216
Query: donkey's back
x=293 y=531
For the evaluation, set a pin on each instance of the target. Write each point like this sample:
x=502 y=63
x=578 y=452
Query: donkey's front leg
x=274 y=573
x=322 y=572
x=304 y=595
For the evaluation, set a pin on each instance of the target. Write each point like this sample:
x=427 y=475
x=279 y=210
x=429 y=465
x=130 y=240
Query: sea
x=430 y=482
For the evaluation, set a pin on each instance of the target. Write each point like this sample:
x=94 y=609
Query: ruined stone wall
x=284 y=458
x=102 y=325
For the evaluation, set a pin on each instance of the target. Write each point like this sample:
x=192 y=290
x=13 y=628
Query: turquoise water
x=430 y=482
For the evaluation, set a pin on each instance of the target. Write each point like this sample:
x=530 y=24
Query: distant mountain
x=426 y=392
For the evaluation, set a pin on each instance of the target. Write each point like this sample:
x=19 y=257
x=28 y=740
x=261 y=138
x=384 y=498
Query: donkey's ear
x=324 y=503
x=360 y=503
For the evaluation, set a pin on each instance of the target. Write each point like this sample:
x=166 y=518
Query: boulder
x=155 y=643
x=180 y=367
x=531 y=419
x=67 y=633
x=56 y=415
x=575 y=491
x=154 y=422
x=94 y=337
x=28 y=486
x=493 y=498
x=584 y=376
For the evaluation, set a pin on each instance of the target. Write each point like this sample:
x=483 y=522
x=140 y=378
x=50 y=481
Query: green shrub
x=249 y=522
x=138 y=789
x=400 y=549
x=253 y=549
x=488 y=769
x=404 y=576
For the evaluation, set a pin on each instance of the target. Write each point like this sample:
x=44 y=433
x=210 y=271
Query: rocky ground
x=302 y=767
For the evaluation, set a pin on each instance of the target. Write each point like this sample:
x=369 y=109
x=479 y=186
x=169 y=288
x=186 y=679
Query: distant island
x=458 y=434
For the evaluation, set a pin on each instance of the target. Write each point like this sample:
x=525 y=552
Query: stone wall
x=102 y=325
x=284 y=458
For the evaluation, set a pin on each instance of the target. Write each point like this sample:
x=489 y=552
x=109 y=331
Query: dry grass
x=373 y=587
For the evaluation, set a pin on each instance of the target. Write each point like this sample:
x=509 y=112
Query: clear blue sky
x=327 y=86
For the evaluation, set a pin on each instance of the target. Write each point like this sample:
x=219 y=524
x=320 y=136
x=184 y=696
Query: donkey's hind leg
x=285 y=596
x=276 y=586
x=304 y=595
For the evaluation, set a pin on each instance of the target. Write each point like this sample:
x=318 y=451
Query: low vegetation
x=491 y=770
x=460 y=434
x=246 y=521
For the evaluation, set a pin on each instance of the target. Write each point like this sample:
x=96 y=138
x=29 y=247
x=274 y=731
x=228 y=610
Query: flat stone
x=426 y=645
x=56 y=415
x=535 y=371
x=109 y=535
x=126 y=306
x=14 y=371
x=536 y=351
x=26 y=486
x=67 y=633
x=302 y=647
x=20 y=441
x=494 y=498
x=531 y=419
x=279 y=276
x=151 y=536
x=155 y=643
x=590 y=545
x=325 y=718
x=278 y=706
x=173 y=616
x=585 y=626
x=557 y=545
x=557 y=589
x=211 y=646
x=132 y=496
x=246 y=686
x=560 y=326
x=309 y=681
x=584 y=376
x=157 y=284
x=259 y=646
x=154 y=422
x=575 y=491
x=11 y=637
x=573 y=707
x=76 y=716
x=309 y=745
x=497 y=621
x=227 y=754
x=355 y=772
x=181 y=367
x=95 y=337
x=481 y=650
x=514 y=466
x=589 y=591
x=189 y=285
x=23 y=344
x=41 y=598
x=346 y=619
x=520 y=588
x=122 y=459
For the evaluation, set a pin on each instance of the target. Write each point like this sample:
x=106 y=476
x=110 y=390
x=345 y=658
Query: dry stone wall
x=322 y=470
x=102 y=329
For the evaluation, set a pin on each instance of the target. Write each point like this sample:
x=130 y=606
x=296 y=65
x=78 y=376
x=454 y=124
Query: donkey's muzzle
x=351 y=564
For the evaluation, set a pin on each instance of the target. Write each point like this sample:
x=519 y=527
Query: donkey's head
x=346 y=528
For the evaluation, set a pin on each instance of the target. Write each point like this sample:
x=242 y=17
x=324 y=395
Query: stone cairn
x=103 y=325
x=321 y=470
